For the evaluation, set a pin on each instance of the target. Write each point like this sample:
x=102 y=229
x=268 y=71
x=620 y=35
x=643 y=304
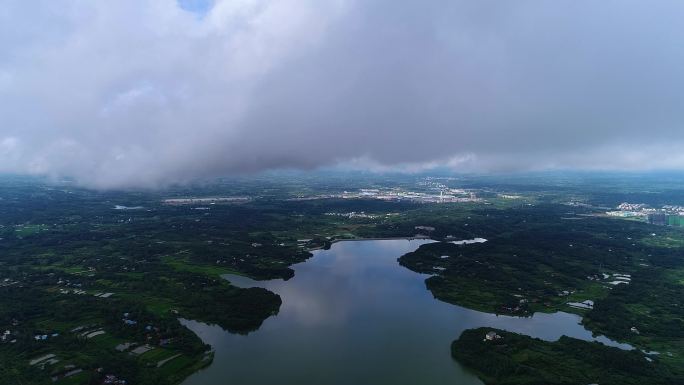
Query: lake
x=353 y=315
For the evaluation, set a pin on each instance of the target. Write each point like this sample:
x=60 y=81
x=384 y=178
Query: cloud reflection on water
x=352 y=313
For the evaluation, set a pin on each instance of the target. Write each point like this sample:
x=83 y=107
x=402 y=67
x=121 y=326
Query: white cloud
x=145 y=92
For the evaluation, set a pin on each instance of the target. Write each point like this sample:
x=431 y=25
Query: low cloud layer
x=139 y=93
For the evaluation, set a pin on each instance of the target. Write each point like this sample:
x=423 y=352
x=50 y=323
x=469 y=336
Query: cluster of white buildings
x=643 y=210
x=612 y=279
x=7 y=337
x=353 y=214
x=8 y=282
x=674 y=209
x=209 y=200
x=632 y=206
x=444 y=196
x=667 y=215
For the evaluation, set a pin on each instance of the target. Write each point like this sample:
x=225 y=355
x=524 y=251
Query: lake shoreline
x=313 y=287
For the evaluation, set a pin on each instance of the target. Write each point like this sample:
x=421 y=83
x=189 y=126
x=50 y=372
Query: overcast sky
x=140 y=93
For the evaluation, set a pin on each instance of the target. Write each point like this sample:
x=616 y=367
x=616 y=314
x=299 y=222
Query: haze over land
x=148 y=92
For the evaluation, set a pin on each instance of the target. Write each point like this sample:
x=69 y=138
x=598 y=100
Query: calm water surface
x=353 y=316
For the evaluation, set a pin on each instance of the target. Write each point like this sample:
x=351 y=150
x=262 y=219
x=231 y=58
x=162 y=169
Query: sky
x=145 y=93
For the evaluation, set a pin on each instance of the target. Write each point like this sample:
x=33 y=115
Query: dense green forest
x=513 y=359
x=545 y=258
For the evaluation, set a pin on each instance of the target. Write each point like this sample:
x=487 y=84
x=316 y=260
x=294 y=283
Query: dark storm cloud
x=138 y=93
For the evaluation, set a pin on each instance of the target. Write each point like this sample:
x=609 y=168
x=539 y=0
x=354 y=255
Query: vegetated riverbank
x=622 y=277
x=502 y=358
x=357 y=292
x=538 y=265
x=354 y=297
